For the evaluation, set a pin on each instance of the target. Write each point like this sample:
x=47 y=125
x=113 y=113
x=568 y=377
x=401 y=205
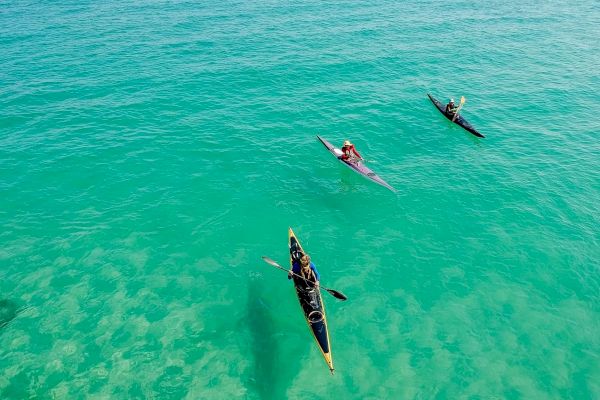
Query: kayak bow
x=312 y=307
x=357 y=166
x=459 y=120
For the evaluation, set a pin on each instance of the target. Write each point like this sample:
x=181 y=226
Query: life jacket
x=348 y=151
x=309 y=276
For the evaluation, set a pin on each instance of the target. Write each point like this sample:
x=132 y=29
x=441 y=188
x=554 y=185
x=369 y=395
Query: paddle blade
x=462 y=100
x=337 y=295
x=270 y=261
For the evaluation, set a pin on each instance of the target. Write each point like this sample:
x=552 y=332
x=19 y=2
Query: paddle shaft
x=333 y=292
x=462 y=102
x=291 y=272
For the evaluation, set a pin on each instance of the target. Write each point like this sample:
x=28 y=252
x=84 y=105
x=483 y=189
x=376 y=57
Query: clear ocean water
x=152 y=151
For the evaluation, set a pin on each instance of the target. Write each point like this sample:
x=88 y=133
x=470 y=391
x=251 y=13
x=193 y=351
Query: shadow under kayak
x=459 y=120
x=356 y=165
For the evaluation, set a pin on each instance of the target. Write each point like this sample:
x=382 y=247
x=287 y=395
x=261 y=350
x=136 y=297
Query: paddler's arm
x=314 y=268
x=357 y=154
x=294 y=269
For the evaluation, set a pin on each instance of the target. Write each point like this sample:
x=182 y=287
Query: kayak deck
x=459 y=120
x=312 y=306
x=357 y=166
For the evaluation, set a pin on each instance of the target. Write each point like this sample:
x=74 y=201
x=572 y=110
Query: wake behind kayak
x=459 y=120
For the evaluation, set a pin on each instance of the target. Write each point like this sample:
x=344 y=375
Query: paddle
x=334 y=293
x=462 y=102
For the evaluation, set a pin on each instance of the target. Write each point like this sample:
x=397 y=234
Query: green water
x=151 y=152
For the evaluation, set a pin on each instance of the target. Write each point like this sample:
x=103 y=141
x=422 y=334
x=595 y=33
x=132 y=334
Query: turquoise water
x=151 y=152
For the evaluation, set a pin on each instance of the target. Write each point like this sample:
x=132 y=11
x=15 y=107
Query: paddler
x=303 y=267
x=349 y=151
x=451 y=108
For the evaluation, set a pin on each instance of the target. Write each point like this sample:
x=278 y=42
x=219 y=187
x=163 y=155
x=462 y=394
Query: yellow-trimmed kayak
x=312 y=307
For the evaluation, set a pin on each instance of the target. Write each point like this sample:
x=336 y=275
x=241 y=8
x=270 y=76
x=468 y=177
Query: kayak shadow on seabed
x=266 y=377
x=8 y=311
x=350 y=182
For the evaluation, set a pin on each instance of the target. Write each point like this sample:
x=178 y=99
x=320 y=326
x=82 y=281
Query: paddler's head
x=347 y=143
x=451 y=101
x=305 y=261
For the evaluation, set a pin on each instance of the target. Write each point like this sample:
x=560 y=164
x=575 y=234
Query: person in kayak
x=451 y=108
x=349 y=152
x=303 y=267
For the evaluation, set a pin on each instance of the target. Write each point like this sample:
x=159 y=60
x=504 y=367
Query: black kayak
x=312 y=306
x=459 y=120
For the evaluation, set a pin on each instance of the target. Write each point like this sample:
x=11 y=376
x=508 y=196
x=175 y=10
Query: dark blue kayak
x=459 y=120
x=312 y=305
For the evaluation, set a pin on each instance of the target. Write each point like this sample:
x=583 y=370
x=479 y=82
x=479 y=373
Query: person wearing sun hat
x=349 y=151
